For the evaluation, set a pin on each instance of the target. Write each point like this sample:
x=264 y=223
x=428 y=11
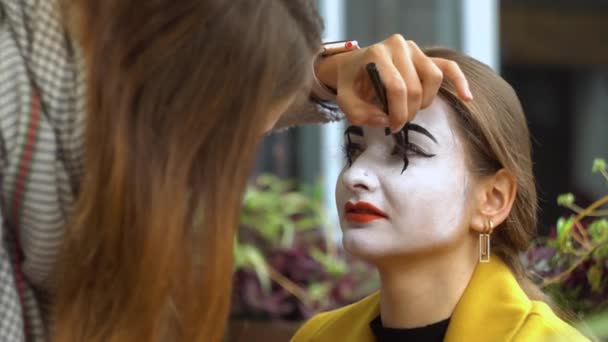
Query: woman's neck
x=424 y=290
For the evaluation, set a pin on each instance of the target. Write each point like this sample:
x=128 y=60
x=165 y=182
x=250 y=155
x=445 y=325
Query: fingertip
x=396 y=127
x=378 y=121
x=399 y=118
x=468 y=96
x=464 y=92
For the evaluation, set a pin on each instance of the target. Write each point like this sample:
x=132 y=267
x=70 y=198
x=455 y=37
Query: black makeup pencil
x=374 y=76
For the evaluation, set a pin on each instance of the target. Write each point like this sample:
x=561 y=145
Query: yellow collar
x=491 y=305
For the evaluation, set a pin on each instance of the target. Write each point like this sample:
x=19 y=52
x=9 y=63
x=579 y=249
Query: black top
x=429 y=333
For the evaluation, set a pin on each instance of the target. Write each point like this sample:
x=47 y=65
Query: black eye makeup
x=352 y=150
x=417 y=128
x=402 y=144
x=403 y=147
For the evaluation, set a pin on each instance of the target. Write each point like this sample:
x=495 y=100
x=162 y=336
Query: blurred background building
x=553 y=52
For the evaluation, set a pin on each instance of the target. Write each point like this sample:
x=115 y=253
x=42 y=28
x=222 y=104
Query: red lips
x=363 y=212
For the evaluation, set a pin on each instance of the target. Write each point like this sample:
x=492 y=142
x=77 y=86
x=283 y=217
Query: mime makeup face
x=387 y=211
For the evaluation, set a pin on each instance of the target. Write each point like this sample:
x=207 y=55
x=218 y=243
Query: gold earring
x=484 y=242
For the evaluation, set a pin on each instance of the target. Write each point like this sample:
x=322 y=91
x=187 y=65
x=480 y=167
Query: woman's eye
x=410 y=150
x=352 y=151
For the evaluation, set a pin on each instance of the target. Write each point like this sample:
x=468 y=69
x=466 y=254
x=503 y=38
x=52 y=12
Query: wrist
x=325 y=68
x=324 y=78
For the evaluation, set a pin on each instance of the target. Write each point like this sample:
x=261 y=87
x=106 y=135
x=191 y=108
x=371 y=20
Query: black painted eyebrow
x=356 y=130
x=422 y=130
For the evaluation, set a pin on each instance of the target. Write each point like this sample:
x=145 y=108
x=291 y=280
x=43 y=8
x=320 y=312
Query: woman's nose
x=357 y=178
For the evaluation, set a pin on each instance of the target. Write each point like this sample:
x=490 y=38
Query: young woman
x=421 y=206
x=127 y=130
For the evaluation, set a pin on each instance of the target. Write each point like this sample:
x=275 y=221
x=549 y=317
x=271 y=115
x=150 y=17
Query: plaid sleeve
x=41 y=126
x=311 y=112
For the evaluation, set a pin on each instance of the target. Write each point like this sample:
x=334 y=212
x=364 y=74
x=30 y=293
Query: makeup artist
x=127 y=132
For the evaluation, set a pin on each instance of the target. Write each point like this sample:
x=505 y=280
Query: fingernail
x=469 y=94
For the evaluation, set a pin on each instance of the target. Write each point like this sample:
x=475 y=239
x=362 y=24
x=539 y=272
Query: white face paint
x=425 y=206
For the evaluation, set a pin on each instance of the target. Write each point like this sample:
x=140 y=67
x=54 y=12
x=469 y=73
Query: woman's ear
x=493 y=199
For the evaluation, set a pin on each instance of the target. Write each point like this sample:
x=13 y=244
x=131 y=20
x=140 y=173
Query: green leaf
x=599 y=165
x=319 y=291
x=565 y=200
x=553 y=243
x=271 y=232
x=266 y=179
x=239 y=256
x=253 y=258
x=289 y=232
x=272 y=185
x=249 y=195
x=307 y=223
x=594 y=277
x=293 y=203
x=601 y=252
x=563 y=229
x=334 y=267
x=598 y=230
x=596 y=325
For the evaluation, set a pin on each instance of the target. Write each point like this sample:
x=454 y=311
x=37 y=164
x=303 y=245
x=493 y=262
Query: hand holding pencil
x=411 y=80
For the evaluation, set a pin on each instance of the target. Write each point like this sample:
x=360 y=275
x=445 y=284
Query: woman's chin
x=365 y=244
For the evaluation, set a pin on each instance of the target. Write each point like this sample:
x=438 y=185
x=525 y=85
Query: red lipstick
x=363 y=212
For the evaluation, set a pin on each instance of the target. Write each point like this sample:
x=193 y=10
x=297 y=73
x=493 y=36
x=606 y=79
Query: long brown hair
x=177 y=97
x=495 y=131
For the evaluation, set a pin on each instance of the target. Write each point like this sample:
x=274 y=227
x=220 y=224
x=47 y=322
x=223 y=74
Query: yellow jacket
x=492 y=308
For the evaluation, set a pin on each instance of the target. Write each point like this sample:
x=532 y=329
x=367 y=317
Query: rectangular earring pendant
x=484 y=247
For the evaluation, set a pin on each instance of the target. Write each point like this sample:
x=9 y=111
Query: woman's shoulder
x=542 y=324
x=348 y=323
